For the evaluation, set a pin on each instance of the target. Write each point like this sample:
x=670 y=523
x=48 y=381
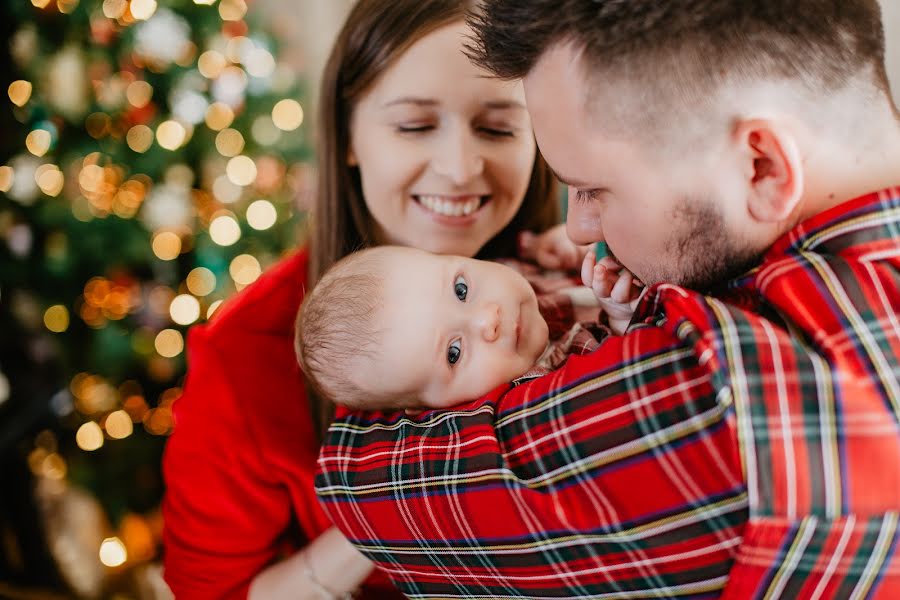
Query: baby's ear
x=774 y=167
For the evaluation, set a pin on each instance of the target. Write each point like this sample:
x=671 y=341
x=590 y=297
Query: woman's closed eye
x=413 y=128
x=497 y=132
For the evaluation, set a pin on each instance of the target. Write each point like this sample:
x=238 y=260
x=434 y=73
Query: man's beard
x=701 y=254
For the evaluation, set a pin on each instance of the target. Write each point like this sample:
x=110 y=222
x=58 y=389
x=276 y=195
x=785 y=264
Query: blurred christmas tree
x=150 y=169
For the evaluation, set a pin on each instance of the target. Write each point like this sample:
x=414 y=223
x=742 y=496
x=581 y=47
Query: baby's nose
x=488 y=321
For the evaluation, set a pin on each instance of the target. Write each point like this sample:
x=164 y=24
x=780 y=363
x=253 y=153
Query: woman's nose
x=583 y=224
x=458 y=158
x=487 y=321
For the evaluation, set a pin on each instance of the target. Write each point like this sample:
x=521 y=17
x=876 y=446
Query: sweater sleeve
x=224 y=516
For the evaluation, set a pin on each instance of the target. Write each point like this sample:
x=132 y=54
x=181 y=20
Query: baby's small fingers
x=587 y=268
x=611 y=264
x=621 y=291
x=603 y=281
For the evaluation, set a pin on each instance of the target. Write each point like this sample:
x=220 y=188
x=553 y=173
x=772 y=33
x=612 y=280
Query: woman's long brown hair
x=374 y=34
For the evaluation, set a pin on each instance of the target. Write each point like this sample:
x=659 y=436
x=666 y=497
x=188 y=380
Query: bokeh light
x=213 y=308
x=219 y=116
x=112 y=552
x=139 y=138
x=119 y=425
x=19 y=92
x=244 y=269
x=142 y=9
x=287 y=115
x=7 y=178
x=169 y=343
x=56 y=318
x=139 y=93
x=224 y=230
x=89 y=437
x=229 y=142
x=211 y=64
x=38 y=142
x=185 y=309
x=261 y=215
x=232 y=10
x=241 y=170
x=171 y=134
x=201 y=281
x=166 y=245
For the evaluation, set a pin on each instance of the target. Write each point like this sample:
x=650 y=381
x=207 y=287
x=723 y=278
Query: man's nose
x=583 y=224
x=487 y=321
x=457 y=157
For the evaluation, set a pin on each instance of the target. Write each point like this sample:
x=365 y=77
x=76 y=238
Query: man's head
x=694 y=133
x=395 y=327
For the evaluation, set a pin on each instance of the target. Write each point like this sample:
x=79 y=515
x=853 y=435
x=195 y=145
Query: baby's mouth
x=451 y=206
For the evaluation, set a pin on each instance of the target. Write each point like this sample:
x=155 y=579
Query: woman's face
x=444 y=151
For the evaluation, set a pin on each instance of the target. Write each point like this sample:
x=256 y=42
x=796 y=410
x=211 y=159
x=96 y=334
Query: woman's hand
x=552 y=249
x=615 y=287
x=329 y=565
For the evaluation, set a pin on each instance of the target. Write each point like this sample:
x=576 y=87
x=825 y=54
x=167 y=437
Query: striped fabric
x=739 y=445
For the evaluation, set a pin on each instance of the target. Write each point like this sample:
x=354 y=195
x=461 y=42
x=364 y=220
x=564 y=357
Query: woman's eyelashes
x=493 y=132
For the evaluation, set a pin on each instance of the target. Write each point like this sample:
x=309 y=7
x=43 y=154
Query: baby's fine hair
x=337 y=327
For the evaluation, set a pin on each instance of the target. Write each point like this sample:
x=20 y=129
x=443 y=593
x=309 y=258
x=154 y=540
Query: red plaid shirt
x=744 y=444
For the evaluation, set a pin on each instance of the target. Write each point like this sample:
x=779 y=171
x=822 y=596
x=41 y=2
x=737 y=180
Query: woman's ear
x=774 y=169
x=351 y=156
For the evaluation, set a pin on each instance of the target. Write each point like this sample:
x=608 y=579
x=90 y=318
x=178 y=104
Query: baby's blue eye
x=453 y=352
x=460 y=288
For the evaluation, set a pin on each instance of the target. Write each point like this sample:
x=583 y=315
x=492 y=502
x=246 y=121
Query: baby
x=400 y=328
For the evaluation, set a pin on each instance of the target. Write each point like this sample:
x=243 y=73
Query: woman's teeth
x=458 y=207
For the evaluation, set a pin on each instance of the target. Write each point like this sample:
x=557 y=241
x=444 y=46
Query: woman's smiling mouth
x=451 y=206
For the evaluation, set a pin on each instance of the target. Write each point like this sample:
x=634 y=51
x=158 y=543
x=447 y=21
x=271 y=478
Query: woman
x=417 y=148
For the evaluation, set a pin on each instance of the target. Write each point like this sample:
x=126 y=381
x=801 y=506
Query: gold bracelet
x=320 y=589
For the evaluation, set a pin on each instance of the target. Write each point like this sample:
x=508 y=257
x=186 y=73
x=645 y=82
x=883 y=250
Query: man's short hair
x=681 y=52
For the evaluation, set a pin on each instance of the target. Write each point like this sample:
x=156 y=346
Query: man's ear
x=775 y=170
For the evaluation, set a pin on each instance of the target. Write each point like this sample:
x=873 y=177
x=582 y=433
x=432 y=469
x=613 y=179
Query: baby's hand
x=552 y=249
x=615 y=287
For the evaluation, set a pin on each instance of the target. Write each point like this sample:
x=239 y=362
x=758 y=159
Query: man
x=743 y=438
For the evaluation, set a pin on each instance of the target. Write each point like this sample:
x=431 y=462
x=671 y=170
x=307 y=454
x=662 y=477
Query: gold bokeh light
x=261 y=215
x=201 y=281
x=287 y=115
x=139 y=138
x=19 y=92
x=224 y=230
x=112 y=552
x=89 y=437
x=211 y=64
x=229 y=142
x=139 y=93
x=38 y=142
x=241 y=170
x=185 y=309
x=171 y=134
x=219 y=116
x=244 y=269
x=56 y=318
x=118 y=425
x=142 y=9
x=169 y=343
x=166 y=245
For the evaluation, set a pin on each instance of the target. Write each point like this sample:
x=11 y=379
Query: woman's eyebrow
x=416 y=101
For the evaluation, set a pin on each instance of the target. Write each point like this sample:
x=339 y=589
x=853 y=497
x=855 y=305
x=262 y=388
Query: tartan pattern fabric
x=744 y=444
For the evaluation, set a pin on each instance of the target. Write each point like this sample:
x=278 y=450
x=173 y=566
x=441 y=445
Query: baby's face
x=453 y=328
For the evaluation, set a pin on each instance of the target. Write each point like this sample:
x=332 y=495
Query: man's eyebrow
x=503 y=104
x=566 y=180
